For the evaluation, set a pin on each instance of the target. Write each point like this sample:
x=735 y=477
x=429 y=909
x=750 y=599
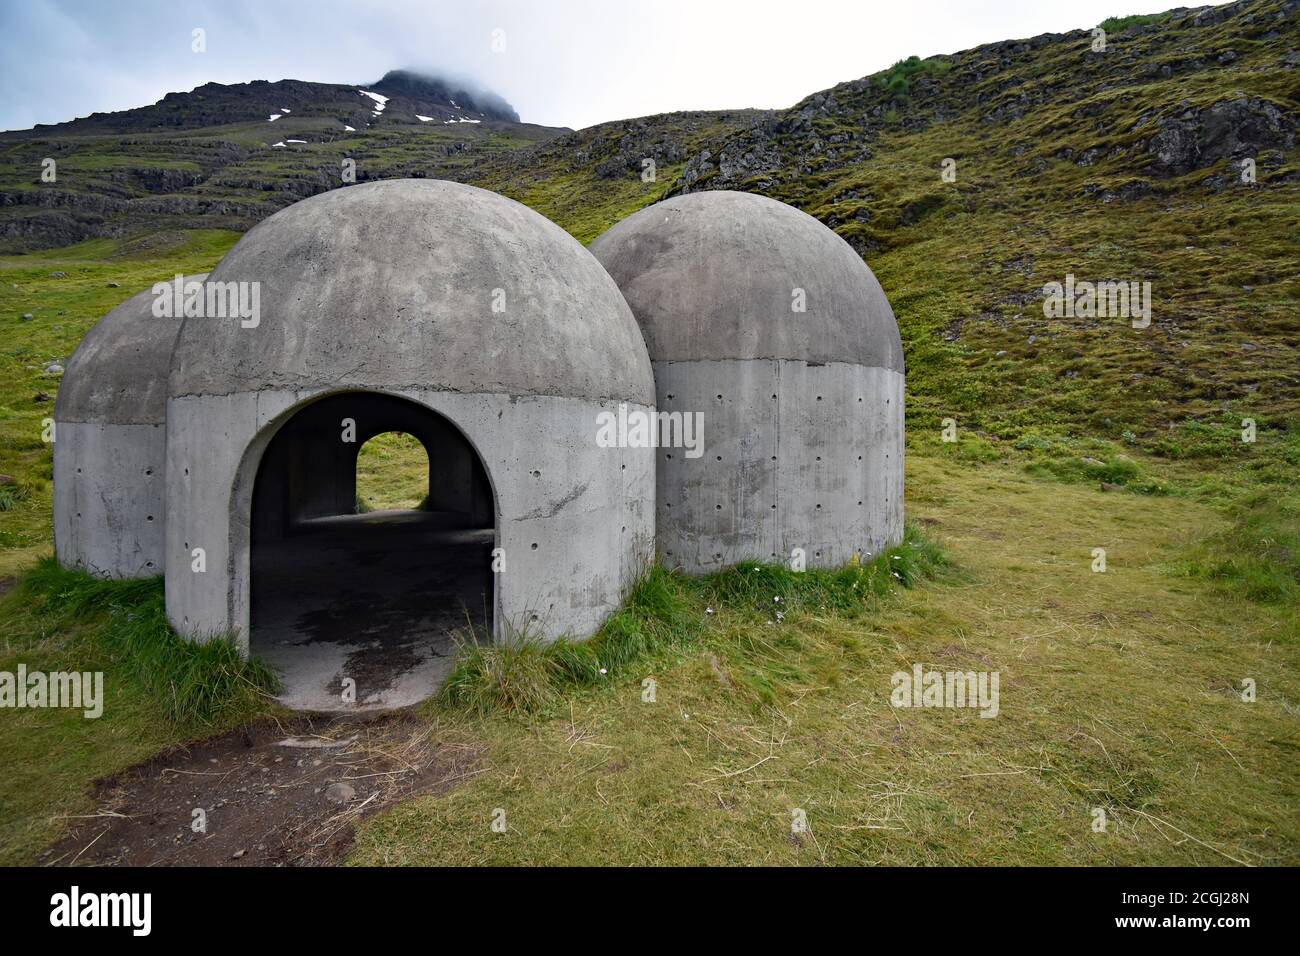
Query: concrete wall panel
x=818 y=467
x=575 y=520
x=109 y=502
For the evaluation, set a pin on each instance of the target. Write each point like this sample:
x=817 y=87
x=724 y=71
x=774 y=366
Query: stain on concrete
x=376 y=598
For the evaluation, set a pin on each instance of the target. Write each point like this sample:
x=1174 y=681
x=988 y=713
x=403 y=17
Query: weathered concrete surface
x=392 y=285
x=109 y=448
x=375 y=598
x=109 y=505
x=710 y=275
x=795 y=456
x=389 y=288
x=802 y=410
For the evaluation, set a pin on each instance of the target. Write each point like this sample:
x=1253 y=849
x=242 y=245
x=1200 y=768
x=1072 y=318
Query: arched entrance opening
x=355 y=603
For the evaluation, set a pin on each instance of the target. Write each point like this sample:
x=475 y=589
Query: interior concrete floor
x=374 y=597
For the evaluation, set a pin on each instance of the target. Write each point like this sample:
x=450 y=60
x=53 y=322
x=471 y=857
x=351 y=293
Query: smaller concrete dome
x=768 y=332
x=110 y=443
x=711 y=275
x=118 y=374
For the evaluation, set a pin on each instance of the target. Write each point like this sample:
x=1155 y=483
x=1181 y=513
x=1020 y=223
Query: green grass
x=1119 y=690
x=1118 y=24
x=897 y=80
x=1258 y=554
x=159 y=691
x=392 y=472
x=11 y=496
x=666 y=612
x=96 y=276
x=195 y=686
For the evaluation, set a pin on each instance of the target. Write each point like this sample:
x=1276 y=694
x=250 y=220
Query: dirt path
x=275 y=793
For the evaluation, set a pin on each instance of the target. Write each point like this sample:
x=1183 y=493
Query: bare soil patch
x=274 y=793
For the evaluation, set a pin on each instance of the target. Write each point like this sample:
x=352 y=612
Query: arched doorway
x=362 y=599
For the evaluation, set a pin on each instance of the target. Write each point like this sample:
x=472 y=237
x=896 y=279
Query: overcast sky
x=563 y=62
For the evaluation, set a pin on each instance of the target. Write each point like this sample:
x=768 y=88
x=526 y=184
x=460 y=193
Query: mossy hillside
x=228 y=176
x=588 y=180
x=1049 y=143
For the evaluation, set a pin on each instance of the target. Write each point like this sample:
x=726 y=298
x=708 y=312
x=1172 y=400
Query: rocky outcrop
x=1229 y=129
x=1001 y=84
x=408 y=94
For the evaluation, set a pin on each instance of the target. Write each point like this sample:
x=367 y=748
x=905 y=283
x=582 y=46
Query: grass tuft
x=897 y=80
x=10 y=496
x=1119 y=24
x=515 y=676
x=1259 y=553
x=195 y=685
x=667 y=612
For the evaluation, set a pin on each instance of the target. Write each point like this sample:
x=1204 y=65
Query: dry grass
x=392 y=472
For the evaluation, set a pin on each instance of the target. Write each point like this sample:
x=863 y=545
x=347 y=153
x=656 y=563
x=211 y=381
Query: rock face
x=825 y=135
x=215 y=104
x=435 y=91
x=1230 y=129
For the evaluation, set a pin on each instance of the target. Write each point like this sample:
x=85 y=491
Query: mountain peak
x=415 y=85
x=401 y=96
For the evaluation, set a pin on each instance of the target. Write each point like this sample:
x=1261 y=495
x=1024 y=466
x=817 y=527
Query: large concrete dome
x=768 y=328
x=417 y=283
x=110 y=443
x=452 y=315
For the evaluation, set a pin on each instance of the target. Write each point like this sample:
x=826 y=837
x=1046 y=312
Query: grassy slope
x=964 y=262
x=1224 y=341
x=392 y=472
x=158 y=691
x=63 y=309
x=1118 y=690
x=562 y=178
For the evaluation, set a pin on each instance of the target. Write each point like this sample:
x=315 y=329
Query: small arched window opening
x=392 y=474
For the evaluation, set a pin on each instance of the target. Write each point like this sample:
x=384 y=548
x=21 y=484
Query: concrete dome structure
x=517 y=360
x=442 y=310
x=774 y=330
x=110 y=444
